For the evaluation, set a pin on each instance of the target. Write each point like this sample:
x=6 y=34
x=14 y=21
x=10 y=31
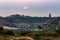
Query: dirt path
x=22 y=38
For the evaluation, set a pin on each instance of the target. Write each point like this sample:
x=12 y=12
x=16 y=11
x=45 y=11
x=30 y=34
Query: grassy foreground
x=29 y=38
x=29 y=35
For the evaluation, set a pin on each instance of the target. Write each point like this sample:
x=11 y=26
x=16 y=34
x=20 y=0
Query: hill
x=14 y=20
x=26 y=19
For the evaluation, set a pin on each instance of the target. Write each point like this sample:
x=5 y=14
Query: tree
x=8 y=32
x=1 y=28
x=39 y=27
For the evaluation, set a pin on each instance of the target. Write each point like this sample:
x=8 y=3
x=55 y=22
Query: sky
x=40 y=8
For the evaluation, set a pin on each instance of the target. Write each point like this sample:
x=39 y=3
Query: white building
x=9 y=28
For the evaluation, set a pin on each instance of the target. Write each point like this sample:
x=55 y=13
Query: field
x=28 y=38
x=29 y=35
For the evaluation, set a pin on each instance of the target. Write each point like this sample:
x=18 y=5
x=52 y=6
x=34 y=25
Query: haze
x=30 y=7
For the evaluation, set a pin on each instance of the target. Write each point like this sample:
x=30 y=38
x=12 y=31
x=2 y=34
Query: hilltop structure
x=50 y=15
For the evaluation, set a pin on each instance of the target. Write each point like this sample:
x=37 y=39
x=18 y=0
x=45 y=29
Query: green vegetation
x=30 y=33
x=6 y=34
x=40 y=33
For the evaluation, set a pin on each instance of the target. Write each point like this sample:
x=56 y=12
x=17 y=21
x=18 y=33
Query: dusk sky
x=30 y=7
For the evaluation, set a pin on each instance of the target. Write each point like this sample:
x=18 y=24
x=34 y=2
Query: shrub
x=51 y=33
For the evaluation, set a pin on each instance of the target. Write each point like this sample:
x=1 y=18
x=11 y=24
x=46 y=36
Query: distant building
x=50 y=15
x=9 y=28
